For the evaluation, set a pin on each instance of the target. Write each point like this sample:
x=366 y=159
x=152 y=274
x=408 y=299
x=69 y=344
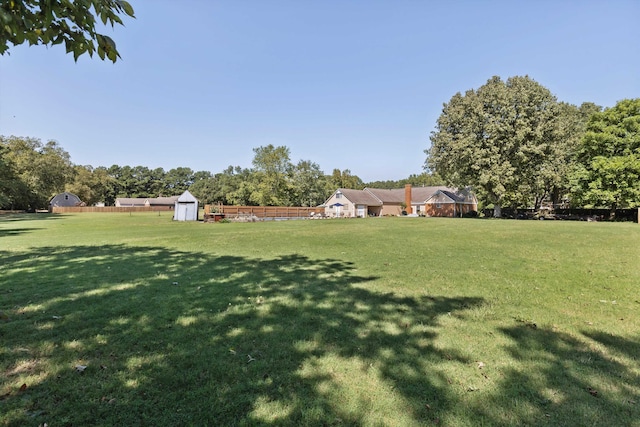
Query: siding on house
x=168 y=202
x=131 y=202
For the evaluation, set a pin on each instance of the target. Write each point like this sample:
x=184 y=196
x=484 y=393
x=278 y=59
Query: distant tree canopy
x=422 y=180
x=512 y=141
x=32 y=172
x=607 y=170
x=274 y=180
x=52 y=22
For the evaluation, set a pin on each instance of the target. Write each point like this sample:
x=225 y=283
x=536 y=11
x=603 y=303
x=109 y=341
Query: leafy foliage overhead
x=52 y=22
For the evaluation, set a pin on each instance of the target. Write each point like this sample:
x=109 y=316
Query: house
x=451 y=203
x=152 y=202
x=64 y=200
x=131 y=202
x=428 y=201
x=352 y=203
x=168 y=202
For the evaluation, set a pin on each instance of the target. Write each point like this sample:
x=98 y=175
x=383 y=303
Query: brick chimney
x=407 y=198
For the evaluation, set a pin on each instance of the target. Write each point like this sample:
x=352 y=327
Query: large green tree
x=231 y=186
x=177 y=180
x=271 y=176
x=607 y=172
x=496 y=139
x=553 y=181
x=344 y=179
x=12 y=189
x=52 y=22
x=92 y=185
x=309 y=184
x=42 y=170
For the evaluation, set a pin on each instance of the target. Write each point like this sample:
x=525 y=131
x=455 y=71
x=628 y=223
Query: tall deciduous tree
x=607 y=173
x=178 y=180
x=344 y=179
x=43 y=169
x=553 y=181
x=272 y=176
x=309 y=186
x=496 y=139
x=12 y=189
x=92 y=185
x=51 y=22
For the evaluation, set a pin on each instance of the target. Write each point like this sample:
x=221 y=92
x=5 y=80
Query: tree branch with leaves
x=72 y=23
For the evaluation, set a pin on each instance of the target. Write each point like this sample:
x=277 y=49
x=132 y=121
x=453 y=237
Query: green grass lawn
x=373 y=322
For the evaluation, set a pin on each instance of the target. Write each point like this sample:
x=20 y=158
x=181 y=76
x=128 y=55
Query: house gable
x=441 y=197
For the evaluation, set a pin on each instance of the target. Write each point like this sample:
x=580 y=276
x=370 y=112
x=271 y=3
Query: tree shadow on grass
x=29 y=217
x=177 y=338
x=17 y=231
x=9 y=219
x=562 y=379
x=627 y=347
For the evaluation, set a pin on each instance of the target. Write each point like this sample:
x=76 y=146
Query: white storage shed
x=186 y=208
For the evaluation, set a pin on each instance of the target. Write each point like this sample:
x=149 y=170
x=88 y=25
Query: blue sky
x=349 y=84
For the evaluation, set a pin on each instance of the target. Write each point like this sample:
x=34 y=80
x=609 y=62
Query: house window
x=339 y=195
x=66 y=197
x=438 y=205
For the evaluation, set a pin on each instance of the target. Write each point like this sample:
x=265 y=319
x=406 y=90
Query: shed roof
x=187 y=197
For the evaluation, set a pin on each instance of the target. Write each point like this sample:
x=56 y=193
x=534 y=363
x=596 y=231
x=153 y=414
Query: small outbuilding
x=65 y=199
x=186 y=208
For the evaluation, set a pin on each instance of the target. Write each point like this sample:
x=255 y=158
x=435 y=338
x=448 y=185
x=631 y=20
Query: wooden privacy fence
x=263 y=211
x=109 y=209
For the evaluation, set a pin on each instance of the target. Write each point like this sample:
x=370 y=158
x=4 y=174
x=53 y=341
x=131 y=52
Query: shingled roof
x=163 y=201
x=418 y=194
x=360 y=197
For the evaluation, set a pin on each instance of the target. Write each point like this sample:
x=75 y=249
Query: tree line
x=511 y=141
x=516 y=145
x=31 y=172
